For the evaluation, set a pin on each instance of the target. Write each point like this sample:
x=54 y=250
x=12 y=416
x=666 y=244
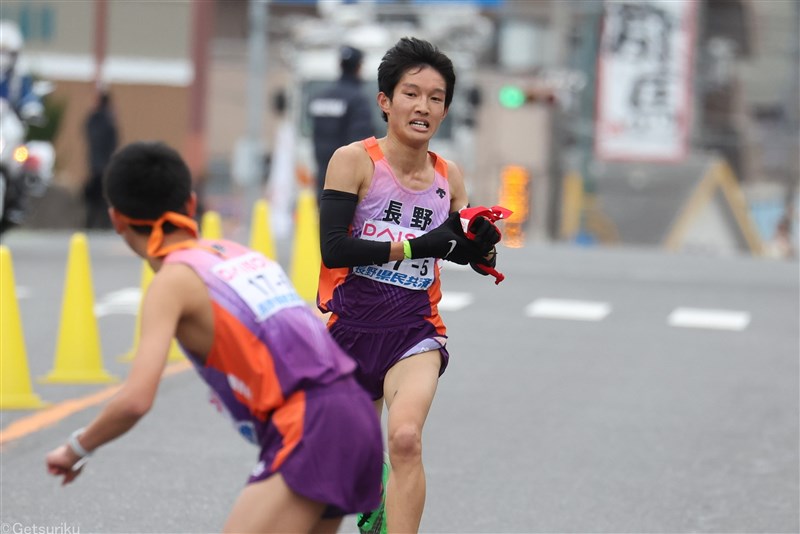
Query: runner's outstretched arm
x=160 y=312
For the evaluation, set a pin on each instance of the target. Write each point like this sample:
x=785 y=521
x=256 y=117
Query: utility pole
x=100 y=40
x=794 y=116
x=251 y=169
x=560 y=23
x=202 y=30
x=592 y=16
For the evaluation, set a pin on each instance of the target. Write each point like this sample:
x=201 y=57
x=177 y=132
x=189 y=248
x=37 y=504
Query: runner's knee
x=405 y=443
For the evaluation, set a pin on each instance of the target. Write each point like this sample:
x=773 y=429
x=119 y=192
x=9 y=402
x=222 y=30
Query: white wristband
x=76 y=446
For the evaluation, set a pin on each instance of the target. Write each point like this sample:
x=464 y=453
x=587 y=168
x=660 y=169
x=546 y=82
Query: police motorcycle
x=26 y=168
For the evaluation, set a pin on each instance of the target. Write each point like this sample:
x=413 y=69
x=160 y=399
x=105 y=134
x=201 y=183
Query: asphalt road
x=595 y=390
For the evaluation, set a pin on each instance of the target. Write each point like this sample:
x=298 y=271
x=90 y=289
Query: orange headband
x=154 y=244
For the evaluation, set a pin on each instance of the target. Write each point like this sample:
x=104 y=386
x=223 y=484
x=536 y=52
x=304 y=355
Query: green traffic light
x=511 y=96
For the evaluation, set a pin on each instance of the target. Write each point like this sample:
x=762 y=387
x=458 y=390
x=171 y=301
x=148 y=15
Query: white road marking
x=124 y=301
x=716 y=319
x=127 y=301
x=577 y=310
x=453 y=301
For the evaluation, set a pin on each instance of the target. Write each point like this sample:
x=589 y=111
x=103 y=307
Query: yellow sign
x=514 y=195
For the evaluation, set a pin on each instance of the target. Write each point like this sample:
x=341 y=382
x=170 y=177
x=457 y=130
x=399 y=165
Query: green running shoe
x=374 y=522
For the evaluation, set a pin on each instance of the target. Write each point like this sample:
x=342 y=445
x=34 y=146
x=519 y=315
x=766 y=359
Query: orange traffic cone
x=16 y=392
x=211 y=225
x=78 y=359
x=260 y=232
x=306 y=256
x=175 y=353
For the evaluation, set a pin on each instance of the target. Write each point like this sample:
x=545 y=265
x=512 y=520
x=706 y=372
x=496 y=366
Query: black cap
x=350 y=57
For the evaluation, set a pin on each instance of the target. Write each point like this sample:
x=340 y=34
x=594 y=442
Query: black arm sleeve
x=336 y=210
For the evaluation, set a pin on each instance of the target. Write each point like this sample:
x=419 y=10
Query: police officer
x=341 y=113
x=102 y=136
x=16 y=84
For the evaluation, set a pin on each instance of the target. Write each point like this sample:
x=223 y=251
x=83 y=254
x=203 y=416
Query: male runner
x=268 y=360
x=388 y=211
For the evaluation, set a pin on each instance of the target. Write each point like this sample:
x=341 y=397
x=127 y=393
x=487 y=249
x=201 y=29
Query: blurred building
x=739 y=78
x=140 y=51
x=742 y=84
x=527 y=80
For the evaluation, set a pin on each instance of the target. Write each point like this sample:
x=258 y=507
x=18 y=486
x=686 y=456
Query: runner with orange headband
x=269 y=361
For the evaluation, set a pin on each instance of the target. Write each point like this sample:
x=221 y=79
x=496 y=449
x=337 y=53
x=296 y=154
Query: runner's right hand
x=447 y=241
x=60 y=463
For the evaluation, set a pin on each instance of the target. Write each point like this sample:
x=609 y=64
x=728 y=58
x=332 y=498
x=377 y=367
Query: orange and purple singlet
x=383 y=313
x=284 y=381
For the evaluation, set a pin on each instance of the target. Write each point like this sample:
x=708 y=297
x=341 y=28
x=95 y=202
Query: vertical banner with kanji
x=644 y=80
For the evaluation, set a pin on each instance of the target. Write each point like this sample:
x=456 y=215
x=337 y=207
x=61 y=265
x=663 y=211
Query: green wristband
x=407 y=249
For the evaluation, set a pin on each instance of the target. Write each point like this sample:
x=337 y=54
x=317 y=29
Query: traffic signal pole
x=257 y=67
x=560 y=20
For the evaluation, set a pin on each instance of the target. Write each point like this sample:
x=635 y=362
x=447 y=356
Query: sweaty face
x=417 y=107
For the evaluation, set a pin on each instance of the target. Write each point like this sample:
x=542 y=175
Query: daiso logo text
x=385 y=233
x=248 y=264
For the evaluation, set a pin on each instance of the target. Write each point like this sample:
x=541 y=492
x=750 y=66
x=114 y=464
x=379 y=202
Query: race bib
x=260 y=283
x=411 y=274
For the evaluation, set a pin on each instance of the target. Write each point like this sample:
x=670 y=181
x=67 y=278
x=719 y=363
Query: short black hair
x=409 y=53
x=144 y=180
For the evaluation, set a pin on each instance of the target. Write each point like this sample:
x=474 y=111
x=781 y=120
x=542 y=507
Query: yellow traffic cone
x=211 y=225
x=260 y=233
x=175 y=353
x=306 y=257
x=78 y=359
x=16 y=392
